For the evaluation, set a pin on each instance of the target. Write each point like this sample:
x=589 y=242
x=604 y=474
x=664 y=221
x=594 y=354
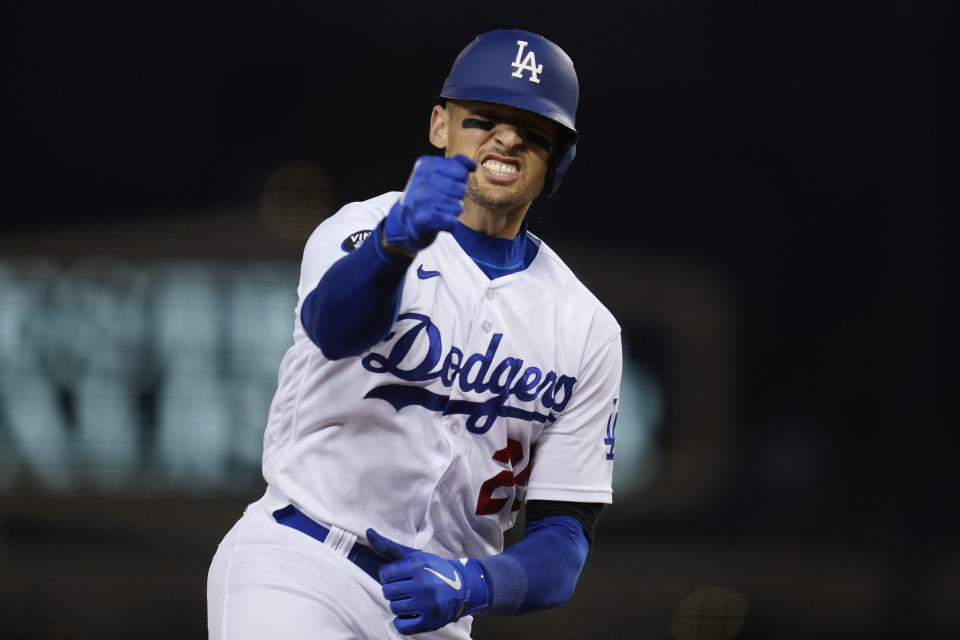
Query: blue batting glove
x=431 y=202
x=426 y=591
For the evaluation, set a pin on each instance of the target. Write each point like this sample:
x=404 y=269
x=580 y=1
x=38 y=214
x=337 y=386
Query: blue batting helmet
x=524 y=70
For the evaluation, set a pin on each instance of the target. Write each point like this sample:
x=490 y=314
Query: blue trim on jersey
x=538 y=572
x=496 y=257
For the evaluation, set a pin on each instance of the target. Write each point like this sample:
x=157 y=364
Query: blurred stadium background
x=760 y=197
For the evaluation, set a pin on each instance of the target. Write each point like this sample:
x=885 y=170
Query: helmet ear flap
x=560 y=161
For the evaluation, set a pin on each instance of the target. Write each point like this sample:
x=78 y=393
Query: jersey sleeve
x=337 y=236
x=573 y=458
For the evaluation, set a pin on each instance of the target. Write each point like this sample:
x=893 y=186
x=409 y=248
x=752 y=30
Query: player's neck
x=500 y=224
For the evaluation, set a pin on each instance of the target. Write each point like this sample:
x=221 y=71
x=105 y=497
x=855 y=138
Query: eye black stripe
x=476 y=123
x=540 y=141
x=488 y=125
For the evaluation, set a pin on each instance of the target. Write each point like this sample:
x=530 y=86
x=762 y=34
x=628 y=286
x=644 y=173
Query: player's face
x=510 y=146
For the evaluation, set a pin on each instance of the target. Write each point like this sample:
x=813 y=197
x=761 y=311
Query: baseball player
x=447 y=368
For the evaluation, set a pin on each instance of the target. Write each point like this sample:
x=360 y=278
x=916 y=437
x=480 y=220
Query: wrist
x=506 y=581
x=478 y=591
x=392 y=249
x=397 y=238
x=387 y=252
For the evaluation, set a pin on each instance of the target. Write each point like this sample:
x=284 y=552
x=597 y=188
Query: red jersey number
x=511 y=455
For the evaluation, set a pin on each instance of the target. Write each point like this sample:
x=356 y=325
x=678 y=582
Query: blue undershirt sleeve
x=538 y=572
x=355 y=303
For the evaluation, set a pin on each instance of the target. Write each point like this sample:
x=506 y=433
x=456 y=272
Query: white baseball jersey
x=485 y=393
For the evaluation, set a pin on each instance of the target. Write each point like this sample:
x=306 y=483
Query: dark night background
x=798 y=150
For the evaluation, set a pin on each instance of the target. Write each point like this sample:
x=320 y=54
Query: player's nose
x=507 y=135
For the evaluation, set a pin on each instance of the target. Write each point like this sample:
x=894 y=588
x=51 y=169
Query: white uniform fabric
x=429 y=436
x=270 y=581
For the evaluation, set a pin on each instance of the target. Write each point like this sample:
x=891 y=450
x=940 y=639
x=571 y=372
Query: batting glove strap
x=478 y=591
x=430 y=203
x=507 y=581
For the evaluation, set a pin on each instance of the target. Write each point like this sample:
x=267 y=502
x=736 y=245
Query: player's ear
x=439 y=129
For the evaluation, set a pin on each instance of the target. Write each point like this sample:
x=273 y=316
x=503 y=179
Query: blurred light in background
x=639 y=422
x=156 y=375
x=295 y=199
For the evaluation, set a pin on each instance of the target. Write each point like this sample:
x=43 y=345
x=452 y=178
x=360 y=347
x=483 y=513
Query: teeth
x=499 y=168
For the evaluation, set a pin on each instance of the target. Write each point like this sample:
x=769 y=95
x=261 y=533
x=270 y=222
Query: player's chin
x=497 y=197
x=493 y=202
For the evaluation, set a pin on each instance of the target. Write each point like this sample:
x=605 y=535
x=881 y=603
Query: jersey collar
x=498 y=253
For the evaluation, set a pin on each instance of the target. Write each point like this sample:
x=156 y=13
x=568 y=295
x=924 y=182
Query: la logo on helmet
x=529 y=63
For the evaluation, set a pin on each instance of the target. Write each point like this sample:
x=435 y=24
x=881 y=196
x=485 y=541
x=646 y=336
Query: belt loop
x=340 y=541
x=334 y=538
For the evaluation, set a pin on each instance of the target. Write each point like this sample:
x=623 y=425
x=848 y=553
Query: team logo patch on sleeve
x=611 y=430
x=355 y=239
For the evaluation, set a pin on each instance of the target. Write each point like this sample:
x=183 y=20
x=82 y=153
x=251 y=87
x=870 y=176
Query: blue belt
x=360 y=555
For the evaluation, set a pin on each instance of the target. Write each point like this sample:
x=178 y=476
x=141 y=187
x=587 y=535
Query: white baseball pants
x=268 y=581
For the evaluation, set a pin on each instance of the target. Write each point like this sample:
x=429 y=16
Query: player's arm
x=355 y=303
x=541 y=570
x=538 y=572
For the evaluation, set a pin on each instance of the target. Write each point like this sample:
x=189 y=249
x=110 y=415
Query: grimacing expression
x=510 y=146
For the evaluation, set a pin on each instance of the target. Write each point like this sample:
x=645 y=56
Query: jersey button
x=454 y=428
x=489 y=294
x=487 y=325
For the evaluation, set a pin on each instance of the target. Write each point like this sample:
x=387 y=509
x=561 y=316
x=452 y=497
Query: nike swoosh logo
x=455 y=584
x=423 y=275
